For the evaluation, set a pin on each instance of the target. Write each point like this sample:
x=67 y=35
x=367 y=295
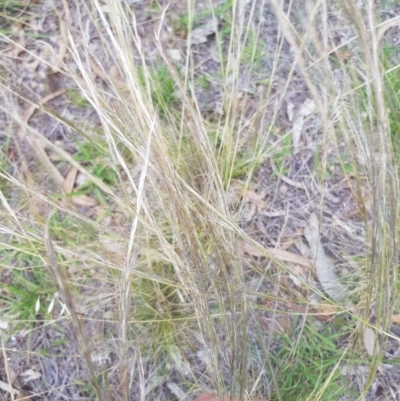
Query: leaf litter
x=200 y=34
x=305 y=110
x=325 y=271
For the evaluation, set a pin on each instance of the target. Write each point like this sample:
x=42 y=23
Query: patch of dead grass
x=189 y=272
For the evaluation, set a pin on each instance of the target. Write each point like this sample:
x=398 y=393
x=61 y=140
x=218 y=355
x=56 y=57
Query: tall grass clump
x=147 y=254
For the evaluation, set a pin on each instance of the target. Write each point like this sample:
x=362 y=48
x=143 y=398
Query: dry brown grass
x=175 y=266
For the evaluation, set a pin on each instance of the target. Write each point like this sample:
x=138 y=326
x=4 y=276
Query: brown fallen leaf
x=31 y=374
x=325 y=270
x=301 y=272
x=396 y=319
x=236 y=192
x=212 y=397
x=84 y=200
x=341 y=52
x=277 y=325
x=369 y=342
x=69 y=180
x=282 y=255
x=305 y=110
x=254 y=202
x=68 y=187
x=327 y=310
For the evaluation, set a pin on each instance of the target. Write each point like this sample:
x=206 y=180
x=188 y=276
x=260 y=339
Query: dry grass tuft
x=178 y=233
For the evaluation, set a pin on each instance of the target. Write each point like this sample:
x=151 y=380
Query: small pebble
x=283 y=189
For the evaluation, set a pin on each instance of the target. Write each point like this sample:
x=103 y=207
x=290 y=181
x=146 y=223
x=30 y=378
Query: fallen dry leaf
x=325 y=270
x=84 y=200
x=254 y=202
x=289 y=110
x=3 y=325
x=10 y=374
x=257 y=198
x=328 y=309
x=176 y=390
x=279 y=324
x=200 y=34
x=396 y=319
x=175 y=54
x=305 y=110
x=8 y=389
x=69 y=180
x=212 y=397
x=31 y=374
x=72 y=177
x=369 y=342
x=282 y=255
x=357 y=370
x=235 y=193
x=301 y=271
x=297 y=128
x=111 y=245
